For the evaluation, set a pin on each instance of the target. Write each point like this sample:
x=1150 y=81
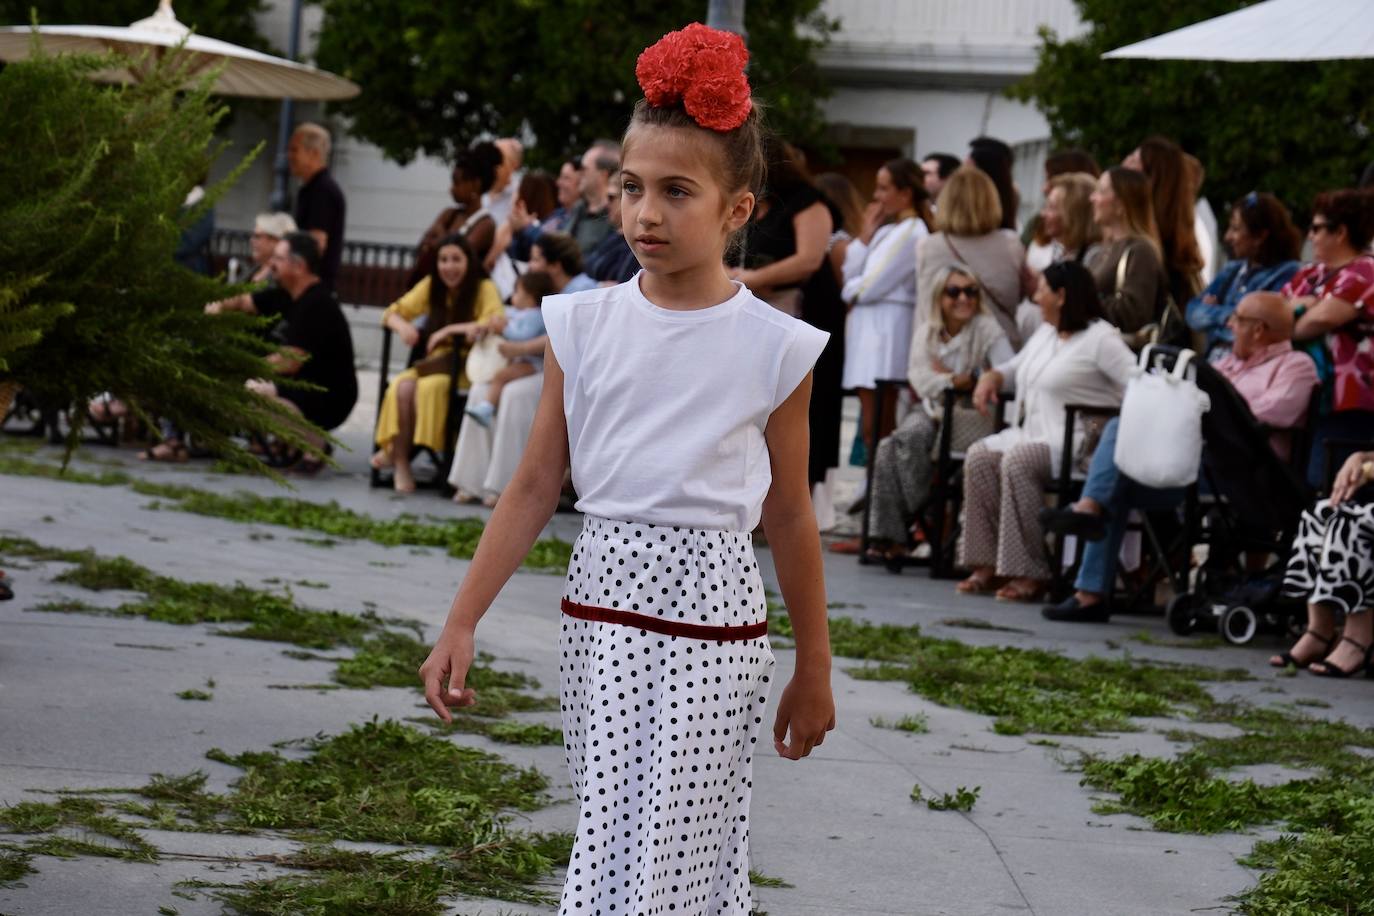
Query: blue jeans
x=1118 y=495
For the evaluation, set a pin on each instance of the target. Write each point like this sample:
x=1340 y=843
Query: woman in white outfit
x=880 y=290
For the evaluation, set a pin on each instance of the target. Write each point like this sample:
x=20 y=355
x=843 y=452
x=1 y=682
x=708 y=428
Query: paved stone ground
x=84 y=703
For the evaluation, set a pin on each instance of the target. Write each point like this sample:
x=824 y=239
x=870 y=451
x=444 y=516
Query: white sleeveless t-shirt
x=666 y=409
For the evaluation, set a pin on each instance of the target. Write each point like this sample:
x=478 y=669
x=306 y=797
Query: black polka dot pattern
x=660 y=730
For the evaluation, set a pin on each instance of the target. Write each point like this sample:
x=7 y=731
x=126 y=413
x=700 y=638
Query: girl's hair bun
x=701 y=69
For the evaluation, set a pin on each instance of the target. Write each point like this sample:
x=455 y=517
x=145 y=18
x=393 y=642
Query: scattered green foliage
x=194 y=694
x=1319 y=873
x=917 y=724
x=1146 y=638
x=759 y=879
x=457 y=536
x=499 y=730
x=75 y=826
x=963 y=799
x=1026 y=690
x=977 y=623
x=14 y=865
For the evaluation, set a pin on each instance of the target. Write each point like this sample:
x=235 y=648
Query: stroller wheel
x=1182 y=613
x=1238 y=624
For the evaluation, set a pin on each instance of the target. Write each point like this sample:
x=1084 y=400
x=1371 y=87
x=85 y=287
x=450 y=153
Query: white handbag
x=1159 y=440
x=484 y=360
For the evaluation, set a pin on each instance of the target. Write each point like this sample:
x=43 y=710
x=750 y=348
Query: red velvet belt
x=661 y=625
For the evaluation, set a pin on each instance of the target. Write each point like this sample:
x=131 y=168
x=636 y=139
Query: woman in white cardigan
x=956 y=339
x=880 y=291
x=1075 y=357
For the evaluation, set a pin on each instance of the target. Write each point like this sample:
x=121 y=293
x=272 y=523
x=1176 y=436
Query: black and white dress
x=1333 y=557
x=665 y=665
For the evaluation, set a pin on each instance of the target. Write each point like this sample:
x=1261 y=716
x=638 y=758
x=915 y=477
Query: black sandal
x=1330 y=670
x=1287 y=660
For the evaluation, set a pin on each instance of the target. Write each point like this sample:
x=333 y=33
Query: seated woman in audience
x=1041 y=249
x=458 y=303
x=955 y=340
x=1067 y=218
x=1264 y=247
x=1128 y=269
x=1173 y=190
x=880 y=288
x=486 y=457
x=534 y=205
x=1333 y=301
x=968 y=223
x=474 y=172
x=1075 y=357
x=1332 y=566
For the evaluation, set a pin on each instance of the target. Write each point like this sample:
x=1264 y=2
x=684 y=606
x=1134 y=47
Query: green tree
x=436 y=75
x=227 y=20
x=90 y=298
x=1291 y=128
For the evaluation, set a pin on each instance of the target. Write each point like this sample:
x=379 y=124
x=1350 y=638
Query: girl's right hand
x=1350 y=477
x=449 y=661
x=409 y=334
x=874 y=217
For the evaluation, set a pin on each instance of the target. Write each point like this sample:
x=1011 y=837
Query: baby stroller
x=1249 y=501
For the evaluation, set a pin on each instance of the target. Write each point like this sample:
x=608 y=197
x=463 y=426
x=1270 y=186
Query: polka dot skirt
x=660 y=729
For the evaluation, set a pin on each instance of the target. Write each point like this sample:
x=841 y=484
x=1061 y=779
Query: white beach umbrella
x=246 y=72
x=1269 y=31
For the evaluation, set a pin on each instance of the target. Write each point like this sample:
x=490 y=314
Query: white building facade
x=910 y=77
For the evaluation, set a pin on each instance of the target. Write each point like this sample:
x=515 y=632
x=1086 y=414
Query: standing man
x=320 y=200
x=936 y=168
x=501 y=198
x=590 y=221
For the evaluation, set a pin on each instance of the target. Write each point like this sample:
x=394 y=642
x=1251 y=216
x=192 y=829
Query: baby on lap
x=522 y=323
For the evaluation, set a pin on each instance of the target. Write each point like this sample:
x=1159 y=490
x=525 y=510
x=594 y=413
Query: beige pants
x=1003 y=495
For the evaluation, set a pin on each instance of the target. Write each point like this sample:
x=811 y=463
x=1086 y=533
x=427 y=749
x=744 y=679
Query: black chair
x=457 y=402
x=938 y=516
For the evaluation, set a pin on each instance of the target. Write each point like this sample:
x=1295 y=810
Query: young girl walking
x=680 y=400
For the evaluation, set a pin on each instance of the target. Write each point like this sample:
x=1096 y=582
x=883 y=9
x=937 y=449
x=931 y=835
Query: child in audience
x=523 y=322
x=680 y=400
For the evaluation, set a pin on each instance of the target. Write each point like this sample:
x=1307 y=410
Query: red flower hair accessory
x=703 y=69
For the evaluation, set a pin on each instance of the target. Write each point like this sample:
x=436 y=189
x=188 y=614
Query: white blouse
x=666 y=409
x=1049 y=373
x=884 y=270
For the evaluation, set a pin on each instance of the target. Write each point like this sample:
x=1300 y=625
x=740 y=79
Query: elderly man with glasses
x=1275 y=380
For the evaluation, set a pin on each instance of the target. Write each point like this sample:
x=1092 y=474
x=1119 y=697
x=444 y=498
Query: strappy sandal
x=1330 y=670
x=1287 y=659
x=171 y=451
x=978 y=585
x=1022 y=593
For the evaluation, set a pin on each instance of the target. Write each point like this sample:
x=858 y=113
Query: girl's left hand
x=1350 y=477
x=805 y=713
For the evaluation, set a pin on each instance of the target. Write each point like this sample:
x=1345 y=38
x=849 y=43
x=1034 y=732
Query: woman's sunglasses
x=954 y=292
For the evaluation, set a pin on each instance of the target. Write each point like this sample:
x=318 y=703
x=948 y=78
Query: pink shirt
x=1277 y=383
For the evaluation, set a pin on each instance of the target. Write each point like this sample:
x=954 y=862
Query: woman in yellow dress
x=460 y=304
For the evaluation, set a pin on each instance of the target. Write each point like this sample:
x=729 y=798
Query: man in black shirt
x=317 y=346
x=320 y=201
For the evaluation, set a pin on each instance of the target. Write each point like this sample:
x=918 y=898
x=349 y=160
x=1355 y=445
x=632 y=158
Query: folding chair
x=456 y=403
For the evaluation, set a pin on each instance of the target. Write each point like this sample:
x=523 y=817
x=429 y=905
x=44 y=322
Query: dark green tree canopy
x=227 y=20
x=1291 y=128
x=434 y=76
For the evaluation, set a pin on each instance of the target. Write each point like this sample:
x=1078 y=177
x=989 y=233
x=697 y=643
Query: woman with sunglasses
x=955 y=340
x=1264 y=247
x=1333 y=302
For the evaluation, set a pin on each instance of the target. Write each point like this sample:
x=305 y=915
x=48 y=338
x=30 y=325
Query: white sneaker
x=482 y=413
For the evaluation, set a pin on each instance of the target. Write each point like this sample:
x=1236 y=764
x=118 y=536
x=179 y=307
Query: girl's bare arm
x=806 y=710
x=525 y=507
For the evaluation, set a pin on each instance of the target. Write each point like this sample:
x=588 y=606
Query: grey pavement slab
x=88 y=702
